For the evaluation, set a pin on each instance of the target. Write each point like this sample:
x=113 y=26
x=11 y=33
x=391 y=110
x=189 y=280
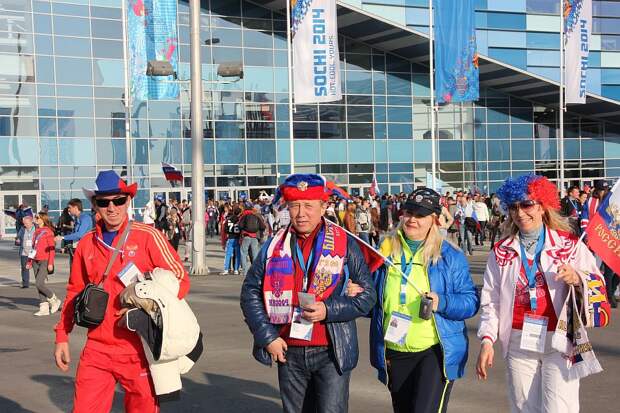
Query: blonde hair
x=551 y=218
x=431 y=252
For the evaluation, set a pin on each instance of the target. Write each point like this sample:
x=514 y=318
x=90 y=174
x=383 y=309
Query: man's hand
x=50 y=268
x=62 y=357
x=353 y=289
x=567 y=274
x=315 y=312
x=485 y=359
x=433 y=296
x=277 y=349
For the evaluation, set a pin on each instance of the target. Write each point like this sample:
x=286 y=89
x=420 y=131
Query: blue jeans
x=248 y=244
x=25 y=271
x=232 y=248
x=309 y=382
x=364 y=237
x=466 y=238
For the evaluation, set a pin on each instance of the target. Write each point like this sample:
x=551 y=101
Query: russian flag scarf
x=330 y=248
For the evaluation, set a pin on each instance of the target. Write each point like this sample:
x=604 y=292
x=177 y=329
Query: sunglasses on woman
x=526 y=205
x=103 y=203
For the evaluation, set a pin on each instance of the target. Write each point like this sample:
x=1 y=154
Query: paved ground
x=226 y=378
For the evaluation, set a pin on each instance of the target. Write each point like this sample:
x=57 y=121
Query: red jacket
x=147 y=248
x=43 y=242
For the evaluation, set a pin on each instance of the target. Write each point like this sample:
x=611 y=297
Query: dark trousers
x=212 y=228
x=611 y=283
x=25 y=271
x=480 y=235
x=310 y=382
x=416 y=381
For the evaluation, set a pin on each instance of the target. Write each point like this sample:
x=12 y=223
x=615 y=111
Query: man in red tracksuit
x=113 y=354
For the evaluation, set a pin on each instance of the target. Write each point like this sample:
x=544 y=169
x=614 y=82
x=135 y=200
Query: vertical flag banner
x=604 y=230
x=152 y=35
x=316 y=61
x=577 y=31
x=456 y=56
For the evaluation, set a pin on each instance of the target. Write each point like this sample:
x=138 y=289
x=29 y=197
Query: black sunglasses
x=103 y=203
x=524 y=205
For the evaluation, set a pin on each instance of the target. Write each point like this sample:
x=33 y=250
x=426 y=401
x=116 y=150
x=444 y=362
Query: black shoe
x=24 y=286
x=614 y=304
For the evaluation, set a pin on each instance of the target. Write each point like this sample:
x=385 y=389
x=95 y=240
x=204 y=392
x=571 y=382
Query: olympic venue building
x=62 y=106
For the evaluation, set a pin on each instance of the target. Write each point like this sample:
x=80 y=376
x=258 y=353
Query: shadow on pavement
x=9 y=406
x=225 y=394
x=221 y=394
x=13 y=303
x=60 y=392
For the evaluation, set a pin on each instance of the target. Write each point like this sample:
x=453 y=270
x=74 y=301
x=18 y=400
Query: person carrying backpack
x=250 y=225
x=363 y=221
x=231 y=227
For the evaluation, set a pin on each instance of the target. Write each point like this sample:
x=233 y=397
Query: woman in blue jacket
x=418 y=337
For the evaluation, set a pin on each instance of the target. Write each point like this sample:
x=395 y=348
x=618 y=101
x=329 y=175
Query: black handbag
x=91 y=303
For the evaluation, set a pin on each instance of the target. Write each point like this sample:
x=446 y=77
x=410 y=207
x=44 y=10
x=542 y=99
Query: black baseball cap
x=423 y=202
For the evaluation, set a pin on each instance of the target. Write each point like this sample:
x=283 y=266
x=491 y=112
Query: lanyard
x=37 y=238
x=530 y=270
x=305 y=267
x=405 y=271
x=574 y=206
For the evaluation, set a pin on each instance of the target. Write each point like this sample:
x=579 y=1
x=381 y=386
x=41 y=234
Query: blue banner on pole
x=456 y=57
x=152 y=35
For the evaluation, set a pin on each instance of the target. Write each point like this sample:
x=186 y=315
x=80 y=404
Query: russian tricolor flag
x=171 y=173
x=604 y=230
x=374 y=187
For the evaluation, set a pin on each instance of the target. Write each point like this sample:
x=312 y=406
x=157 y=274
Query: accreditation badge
x=534 y=333
x=397 y=328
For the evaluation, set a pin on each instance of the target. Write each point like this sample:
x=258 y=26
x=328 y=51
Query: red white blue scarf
x=330 y=248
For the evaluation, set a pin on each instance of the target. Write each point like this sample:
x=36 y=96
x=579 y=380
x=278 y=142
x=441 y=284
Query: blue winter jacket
x=458 y=300
x=341 y=309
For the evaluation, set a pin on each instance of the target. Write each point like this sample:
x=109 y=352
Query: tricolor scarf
x=571 y=338
x=330 y=248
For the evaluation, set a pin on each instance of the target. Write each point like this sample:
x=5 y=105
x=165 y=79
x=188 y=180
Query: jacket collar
x=553 y=241
x=99 y=231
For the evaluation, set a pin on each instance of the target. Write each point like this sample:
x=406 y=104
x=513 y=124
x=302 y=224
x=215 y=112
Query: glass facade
x=525 y=34
x=62 y=108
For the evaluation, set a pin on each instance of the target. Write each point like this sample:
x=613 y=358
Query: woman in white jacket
x=521 y=299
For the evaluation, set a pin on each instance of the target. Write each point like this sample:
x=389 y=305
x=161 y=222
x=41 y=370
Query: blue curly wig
x=514 y=190
x=530 y=186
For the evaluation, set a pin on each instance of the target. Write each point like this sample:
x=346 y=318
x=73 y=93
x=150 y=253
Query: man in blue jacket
x=294 y=302
x=83 y=224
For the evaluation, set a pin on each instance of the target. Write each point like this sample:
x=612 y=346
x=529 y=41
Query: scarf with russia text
x=330 y=248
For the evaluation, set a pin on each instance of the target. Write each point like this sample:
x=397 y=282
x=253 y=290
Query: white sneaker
x=235 y=272
x=225 y=273
x=44 y=309
x=55 y=304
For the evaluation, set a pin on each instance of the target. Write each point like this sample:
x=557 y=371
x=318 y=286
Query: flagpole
x=289 y=56
x=199 y=265
x=127 y=93
x=432 y=84
x=562 y=106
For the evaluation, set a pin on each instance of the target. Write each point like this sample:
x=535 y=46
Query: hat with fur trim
x=298 y=187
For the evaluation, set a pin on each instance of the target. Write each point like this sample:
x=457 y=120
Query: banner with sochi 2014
x=577 y=31
x=316 y=61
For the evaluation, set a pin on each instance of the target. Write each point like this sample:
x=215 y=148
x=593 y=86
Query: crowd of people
x=315 y=259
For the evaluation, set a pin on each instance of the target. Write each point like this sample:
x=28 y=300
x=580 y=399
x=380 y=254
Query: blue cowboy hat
x=109 y=183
